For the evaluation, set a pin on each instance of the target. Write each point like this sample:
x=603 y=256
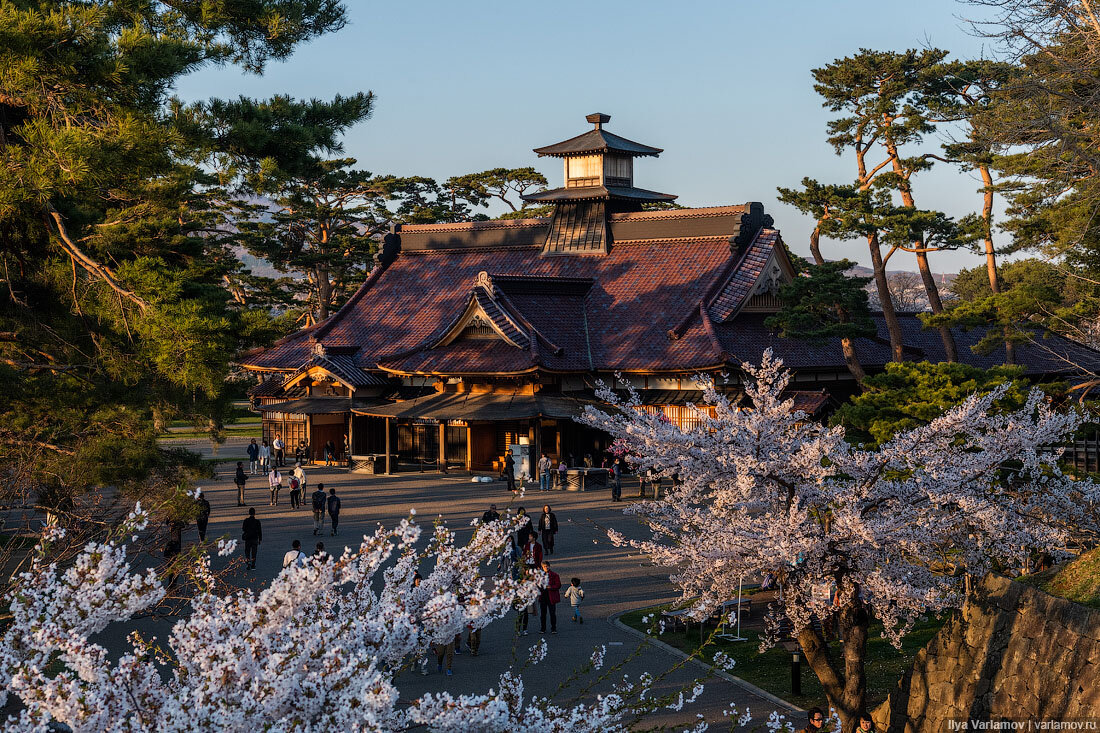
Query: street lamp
x=792 y=646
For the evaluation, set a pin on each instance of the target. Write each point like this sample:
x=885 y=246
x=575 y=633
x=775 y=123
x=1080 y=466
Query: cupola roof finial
x=598 y=119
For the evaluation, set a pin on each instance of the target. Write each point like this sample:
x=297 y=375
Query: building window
x=584 y=170
x=618 y=170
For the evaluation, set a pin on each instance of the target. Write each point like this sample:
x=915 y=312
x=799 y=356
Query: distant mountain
x=906 y=288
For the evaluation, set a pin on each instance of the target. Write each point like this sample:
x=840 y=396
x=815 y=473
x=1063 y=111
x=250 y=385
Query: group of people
x=553 y=476
x=526 y=554
x=297 y=558
x=275 y=477
x=264 y=456
x=816 y=722
x=252 y=531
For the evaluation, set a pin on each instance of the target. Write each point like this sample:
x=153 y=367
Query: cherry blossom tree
x=316 y=650
x=893 y=532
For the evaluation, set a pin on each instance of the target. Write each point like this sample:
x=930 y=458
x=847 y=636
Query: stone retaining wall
x=1013 y=653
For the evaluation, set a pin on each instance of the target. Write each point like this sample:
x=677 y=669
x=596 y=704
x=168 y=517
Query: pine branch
x=102 y=272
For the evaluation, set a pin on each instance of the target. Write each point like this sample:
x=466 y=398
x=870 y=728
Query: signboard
x=521 y=454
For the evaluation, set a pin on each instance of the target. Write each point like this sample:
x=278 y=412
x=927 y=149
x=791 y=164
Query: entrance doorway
x=321 y=434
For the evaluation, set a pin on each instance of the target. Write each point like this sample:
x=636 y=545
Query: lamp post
x=795 y=650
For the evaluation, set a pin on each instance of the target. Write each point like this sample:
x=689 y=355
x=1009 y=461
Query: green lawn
x=771 y=670
x=231 y=431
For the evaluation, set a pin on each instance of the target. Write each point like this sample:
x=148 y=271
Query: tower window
x=584 y=170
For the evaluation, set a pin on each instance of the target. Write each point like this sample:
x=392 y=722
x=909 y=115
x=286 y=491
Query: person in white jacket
x=265 y=456
x=575 y=596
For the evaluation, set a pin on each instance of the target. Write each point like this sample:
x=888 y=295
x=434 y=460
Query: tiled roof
x=268 y=387
x=639 y=292
x=597 y=141
x=746 y=337
x=576 y=228
x=499 y=314
x=808 y=402
x=471 y=356
x=597 y=313
x=738 y=288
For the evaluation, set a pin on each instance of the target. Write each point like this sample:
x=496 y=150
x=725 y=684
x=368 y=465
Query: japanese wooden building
x=469 y=337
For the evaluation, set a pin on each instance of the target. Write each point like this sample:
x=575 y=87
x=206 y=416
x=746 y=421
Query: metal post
x=389 y=468
x=442 y=446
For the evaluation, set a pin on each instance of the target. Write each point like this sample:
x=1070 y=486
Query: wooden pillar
x=469 y=449
x=536 y=456
x=351 y=437
x=389 y=468
x=442 y=446
x=532 y=440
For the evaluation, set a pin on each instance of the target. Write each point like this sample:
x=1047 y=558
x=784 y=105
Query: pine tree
x=825 y=304
x=880 y=97
x=114 y=315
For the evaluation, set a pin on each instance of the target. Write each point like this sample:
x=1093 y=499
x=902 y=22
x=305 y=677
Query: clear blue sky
x=723 y=87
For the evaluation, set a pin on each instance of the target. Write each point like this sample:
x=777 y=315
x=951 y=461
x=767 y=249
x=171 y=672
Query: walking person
x=616 y=480
x=253 y=456
x=532 y=554
x=265 y=456
x=549 y=597
x=548 y=525
x=275 y=482
x=525 y=529
x=509 y=471
x=509 y=561
x=334 y=510
x=444 y=653
x=252 y=534
x=294 y=556
x=523 y=616
x=544 y=465
x=279 y=448
x=203 y=518
x=319 y=501
x=575 y=595
x=240 y=480
x=345 y=455
x=563 y=474
x=295 y=492
x=300 y=474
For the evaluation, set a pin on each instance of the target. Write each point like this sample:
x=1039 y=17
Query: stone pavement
x=614 y=579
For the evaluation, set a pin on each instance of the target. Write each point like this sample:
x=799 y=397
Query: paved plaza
x=615 y=579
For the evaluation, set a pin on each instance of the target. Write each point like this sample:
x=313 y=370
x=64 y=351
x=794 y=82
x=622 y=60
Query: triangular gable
x=338 y=367
x=755 y=282
x=485 y=311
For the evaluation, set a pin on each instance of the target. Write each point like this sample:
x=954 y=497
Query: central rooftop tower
x=599 y=181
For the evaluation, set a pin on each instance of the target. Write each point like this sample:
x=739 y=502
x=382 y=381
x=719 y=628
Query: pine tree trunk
x=847 y=346
x=990 y=253
x=815 y=245
x=324 y=292
x=930 y=287
x=949 y=347
x=885 y=300
x=852 y=361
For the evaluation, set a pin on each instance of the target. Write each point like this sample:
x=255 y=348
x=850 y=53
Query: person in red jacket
x=532 y=554
x=549 y=597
